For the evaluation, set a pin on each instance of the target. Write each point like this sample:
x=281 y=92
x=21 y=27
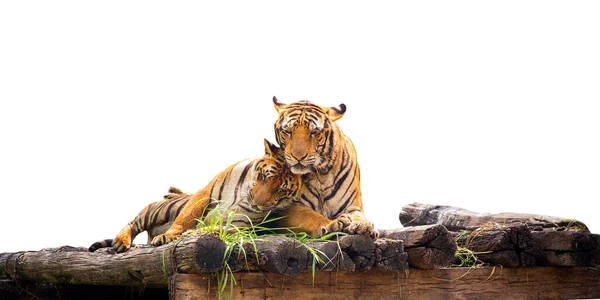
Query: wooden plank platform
x=454 y=283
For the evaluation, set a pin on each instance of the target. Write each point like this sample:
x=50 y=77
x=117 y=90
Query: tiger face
x=305 y=133
x=274 y=187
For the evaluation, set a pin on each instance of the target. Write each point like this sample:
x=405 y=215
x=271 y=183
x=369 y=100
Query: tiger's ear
x=336 y=112
x=272 y=150
x=278 y=105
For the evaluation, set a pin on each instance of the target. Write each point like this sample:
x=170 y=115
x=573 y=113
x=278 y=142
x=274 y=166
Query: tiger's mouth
x=274 y=207
x=261 y=207
x=299 y=168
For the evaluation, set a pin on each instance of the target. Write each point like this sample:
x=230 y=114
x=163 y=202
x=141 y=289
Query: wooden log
x=456 y=219
x=390 y=255
x=332 y=256
x=355 y=252
x=568 y=248
x=428 y=247
x=360 y=248
x=454 y=283
x=569 y=259
x=566 y=240
x=509 y=246
x=279 y=255
x=245 y=258
x=149 y=266
x=194 y=253
x=329 y=252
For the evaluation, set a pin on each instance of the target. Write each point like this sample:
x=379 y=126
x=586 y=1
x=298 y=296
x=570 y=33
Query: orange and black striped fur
x=315 y=147
x=250 y=188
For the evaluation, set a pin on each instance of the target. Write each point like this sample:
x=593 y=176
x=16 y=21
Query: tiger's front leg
x=300 y=218
x=186 y=219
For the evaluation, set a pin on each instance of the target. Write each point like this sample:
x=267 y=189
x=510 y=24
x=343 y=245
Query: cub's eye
x=315 y=132
x=260 y=177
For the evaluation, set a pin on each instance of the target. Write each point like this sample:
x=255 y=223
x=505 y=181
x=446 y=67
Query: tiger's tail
x=152 y=215
x=100 y=244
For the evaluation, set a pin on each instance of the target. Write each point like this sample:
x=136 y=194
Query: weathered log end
x=210 y=252
x=390 y=255
x=427 y=258
x=361 y=250
x=509 y=246
x=568 y=248
x=331 y=255
x=245 y=257
x=428 y=246
x=283 y=255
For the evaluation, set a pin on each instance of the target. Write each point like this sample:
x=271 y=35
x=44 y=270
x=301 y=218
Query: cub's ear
x=336 y=112
x=272 y=150
x=278 y=105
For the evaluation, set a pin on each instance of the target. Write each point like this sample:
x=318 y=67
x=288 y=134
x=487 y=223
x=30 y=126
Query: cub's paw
x=363 y=228
x=336 y=225
x=121 y=245
x=162 y=239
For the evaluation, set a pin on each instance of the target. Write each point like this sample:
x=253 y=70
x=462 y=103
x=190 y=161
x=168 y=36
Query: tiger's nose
x=299 y=158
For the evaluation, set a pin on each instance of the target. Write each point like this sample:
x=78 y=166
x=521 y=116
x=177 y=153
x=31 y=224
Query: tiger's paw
x=336 y=225
x=162 y=239
x=121 y=245
x=363 y=228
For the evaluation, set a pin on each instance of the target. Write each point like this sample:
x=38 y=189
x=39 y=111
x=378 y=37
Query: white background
x=489 y=106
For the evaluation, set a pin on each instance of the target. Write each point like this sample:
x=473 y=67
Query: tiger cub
x=250 y=188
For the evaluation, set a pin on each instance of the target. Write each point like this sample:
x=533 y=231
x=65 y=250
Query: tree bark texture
x=510 y=246
x=428 y=246
x=456 y=218
x=147 y=266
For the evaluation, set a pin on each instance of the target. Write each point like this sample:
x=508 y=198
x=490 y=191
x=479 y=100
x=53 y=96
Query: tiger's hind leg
x=152 y=219
x=193 y=210
x=122 y=242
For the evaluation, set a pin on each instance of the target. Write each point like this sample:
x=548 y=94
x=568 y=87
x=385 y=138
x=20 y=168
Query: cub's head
x=275 y=187
x=305 y=132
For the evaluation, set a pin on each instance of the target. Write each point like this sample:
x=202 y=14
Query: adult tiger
x=315 y=146
x=250 y=188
